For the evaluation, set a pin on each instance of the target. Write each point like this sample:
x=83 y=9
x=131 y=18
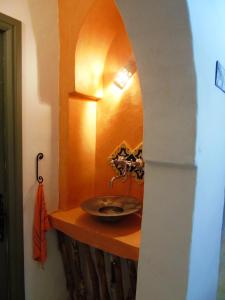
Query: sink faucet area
x=127 y=163
x=113 y=208
x=126 y=167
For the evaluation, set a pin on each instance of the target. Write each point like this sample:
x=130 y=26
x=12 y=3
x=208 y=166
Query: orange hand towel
x=40 y=227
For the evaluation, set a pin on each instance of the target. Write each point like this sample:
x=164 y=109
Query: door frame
x=13 y=153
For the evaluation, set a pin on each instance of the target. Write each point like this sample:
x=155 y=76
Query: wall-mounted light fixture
x=125 y=74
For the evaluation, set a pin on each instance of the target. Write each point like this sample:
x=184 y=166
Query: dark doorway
x=3 y=245
x=11 y=212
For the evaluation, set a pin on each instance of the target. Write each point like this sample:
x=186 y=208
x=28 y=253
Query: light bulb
x=122 y=78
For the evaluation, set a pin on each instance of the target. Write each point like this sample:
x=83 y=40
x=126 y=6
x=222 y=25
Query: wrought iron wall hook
x=40 y=156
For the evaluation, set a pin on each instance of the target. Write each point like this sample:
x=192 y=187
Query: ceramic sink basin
x=111 y=208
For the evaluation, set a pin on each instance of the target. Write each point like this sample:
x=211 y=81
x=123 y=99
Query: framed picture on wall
x=220 y=76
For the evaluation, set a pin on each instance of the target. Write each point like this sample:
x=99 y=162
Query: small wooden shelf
x=77 y=95
x=121 y=238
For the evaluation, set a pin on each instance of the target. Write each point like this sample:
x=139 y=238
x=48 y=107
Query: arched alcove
x=100 y=26
x=102 y=49
x=162 y=44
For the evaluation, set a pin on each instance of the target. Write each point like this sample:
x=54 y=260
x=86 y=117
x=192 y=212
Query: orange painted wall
x=89 y=131
x=119 y=118
x=96 y=35
x=81 y=150
x=71 y=18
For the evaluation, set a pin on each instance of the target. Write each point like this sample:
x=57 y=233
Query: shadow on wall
x=42 y=112
x=41 y=10
x=47 y=73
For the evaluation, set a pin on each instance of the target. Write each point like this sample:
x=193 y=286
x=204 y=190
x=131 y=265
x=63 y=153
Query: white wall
x=208 y=23
x=161 y=38
x=182 y=223
x=162 y=43
x=40 y=75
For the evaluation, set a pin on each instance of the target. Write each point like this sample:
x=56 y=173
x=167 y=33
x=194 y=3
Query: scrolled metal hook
x=40 y=156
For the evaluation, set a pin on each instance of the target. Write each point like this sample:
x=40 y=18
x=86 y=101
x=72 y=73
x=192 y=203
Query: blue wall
x=208 y=22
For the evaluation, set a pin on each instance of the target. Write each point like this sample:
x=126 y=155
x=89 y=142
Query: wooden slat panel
x=89 y=276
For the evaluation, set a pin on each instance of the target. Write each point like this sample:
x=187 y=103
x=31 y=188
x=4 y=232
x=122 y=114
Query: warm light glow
x=114 y=94
x=89 y=125
x=122 y=78
x=99 y=93
x=89 y=79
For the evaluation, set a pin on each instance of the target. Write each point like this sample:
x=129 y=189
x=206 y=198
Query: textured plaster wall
x=40 y=74
x=119 y=118
x=207 y=22
x=162 y=44
x=71 y=17
x=80 y=40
